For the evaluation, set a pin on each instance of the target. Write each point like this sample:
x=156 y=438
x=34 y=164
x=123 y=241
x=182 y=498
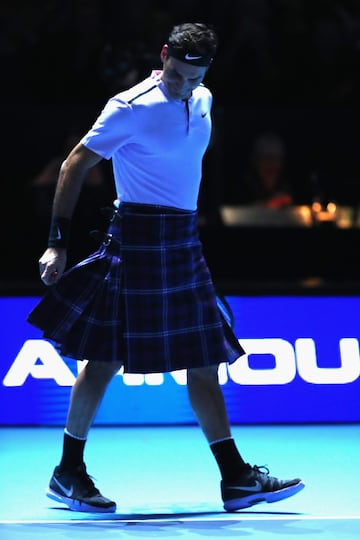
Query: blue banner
x=302 y=366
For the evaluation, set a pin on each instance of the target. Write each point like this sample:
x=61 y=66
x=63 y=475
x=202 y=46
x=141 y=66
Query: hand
x=52 y=265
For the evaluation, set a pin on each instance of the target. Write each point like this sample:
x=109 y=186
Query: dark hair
x=195 y=43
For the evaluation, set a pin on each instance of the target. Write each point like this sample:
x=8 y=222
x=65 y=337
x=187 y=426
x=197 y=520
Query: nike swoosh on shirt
x=68 y=492
x=256 y=487
x=189 y=57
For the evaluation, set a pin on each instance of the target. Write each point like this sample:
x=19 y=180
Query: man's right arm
x=71 y=176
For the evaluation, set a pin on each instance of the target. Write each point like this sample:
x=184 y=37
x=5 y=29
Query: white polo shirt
x=156 y=143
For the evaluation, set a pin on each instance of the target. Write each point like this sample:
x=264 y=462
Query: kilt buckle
x=104 y=238
x=110 y=213
x=107 y=239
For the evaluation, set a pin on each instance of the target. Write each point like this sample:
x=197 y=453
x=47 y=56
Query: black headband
x=192 y=58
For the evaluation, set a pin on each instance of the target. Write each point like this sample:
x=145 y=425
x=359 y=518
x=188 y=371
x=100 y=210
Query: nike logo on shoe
x=256 y=487
x=68 y=492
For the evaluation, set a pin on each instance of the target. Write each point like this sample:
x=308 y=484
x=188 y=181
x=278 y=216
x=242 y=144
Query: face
x=270 y=162
x=179 y=77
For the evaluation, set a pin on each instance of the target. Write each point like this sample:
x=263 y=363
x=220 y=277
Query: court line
x=178 y=520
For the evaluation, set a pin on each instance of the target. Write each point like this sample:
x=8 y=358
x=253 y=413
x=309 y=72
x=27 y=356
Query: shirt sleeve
x=113 y=128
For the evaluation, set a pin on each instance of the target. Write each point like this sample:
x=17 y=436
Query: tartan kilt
x=144 y=298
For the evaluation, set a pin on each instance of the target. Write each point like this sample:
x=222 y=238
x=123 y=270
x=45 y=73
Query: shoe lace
x=270 y=483
x=86 y=480
x=261 y=469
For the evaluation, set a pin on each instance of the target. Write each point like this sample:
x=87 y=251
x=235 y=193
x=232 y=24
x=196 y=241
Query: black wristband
x=59 y=232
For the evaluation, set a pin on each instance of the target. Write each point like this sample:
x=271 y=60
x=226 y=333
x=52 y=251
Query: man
x=145 y=300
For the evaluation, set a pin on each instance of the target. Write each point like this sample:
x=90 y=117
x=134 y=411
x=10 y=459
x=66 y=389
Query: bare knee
x=205 y=375
x=101 y=371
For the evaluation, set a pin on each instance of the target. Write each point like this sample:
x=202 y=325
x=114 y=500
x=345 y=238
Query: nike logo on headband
x=189 y=57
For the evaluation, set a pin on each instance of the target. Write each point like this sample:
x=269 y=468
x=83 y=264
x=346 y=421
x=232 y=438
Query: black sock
x=230 y=462
x=73 y=452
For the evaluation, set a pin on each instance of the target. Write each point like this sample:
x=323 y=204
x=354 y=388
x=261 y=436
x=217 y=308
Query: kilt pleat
x=145 y=298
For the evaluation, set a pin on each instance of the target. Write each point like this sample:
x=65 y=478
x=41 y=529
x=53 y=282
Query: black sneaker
x=257 y=486
x=76 y=489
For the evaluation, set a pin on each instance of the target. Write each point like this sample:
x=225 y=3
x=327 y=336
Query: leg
x=86 y=395
x=70 y=483
x=241 y=485
x=208 y=403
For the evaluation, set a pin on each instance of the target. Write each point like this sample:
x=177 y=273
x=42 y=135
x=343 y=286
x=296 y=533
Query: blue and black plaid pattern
x=145 y=298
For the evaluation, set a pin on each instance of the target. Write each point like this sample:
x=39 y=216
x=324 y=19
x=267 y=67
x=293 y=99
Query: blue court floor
x=166 y=484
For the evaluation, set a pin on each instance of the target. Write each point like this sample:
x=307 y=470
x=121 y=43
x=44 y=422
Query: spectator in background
x=264 y=182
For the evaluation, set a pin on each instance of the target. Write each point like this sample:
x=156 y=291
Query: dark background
x=291 y=66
